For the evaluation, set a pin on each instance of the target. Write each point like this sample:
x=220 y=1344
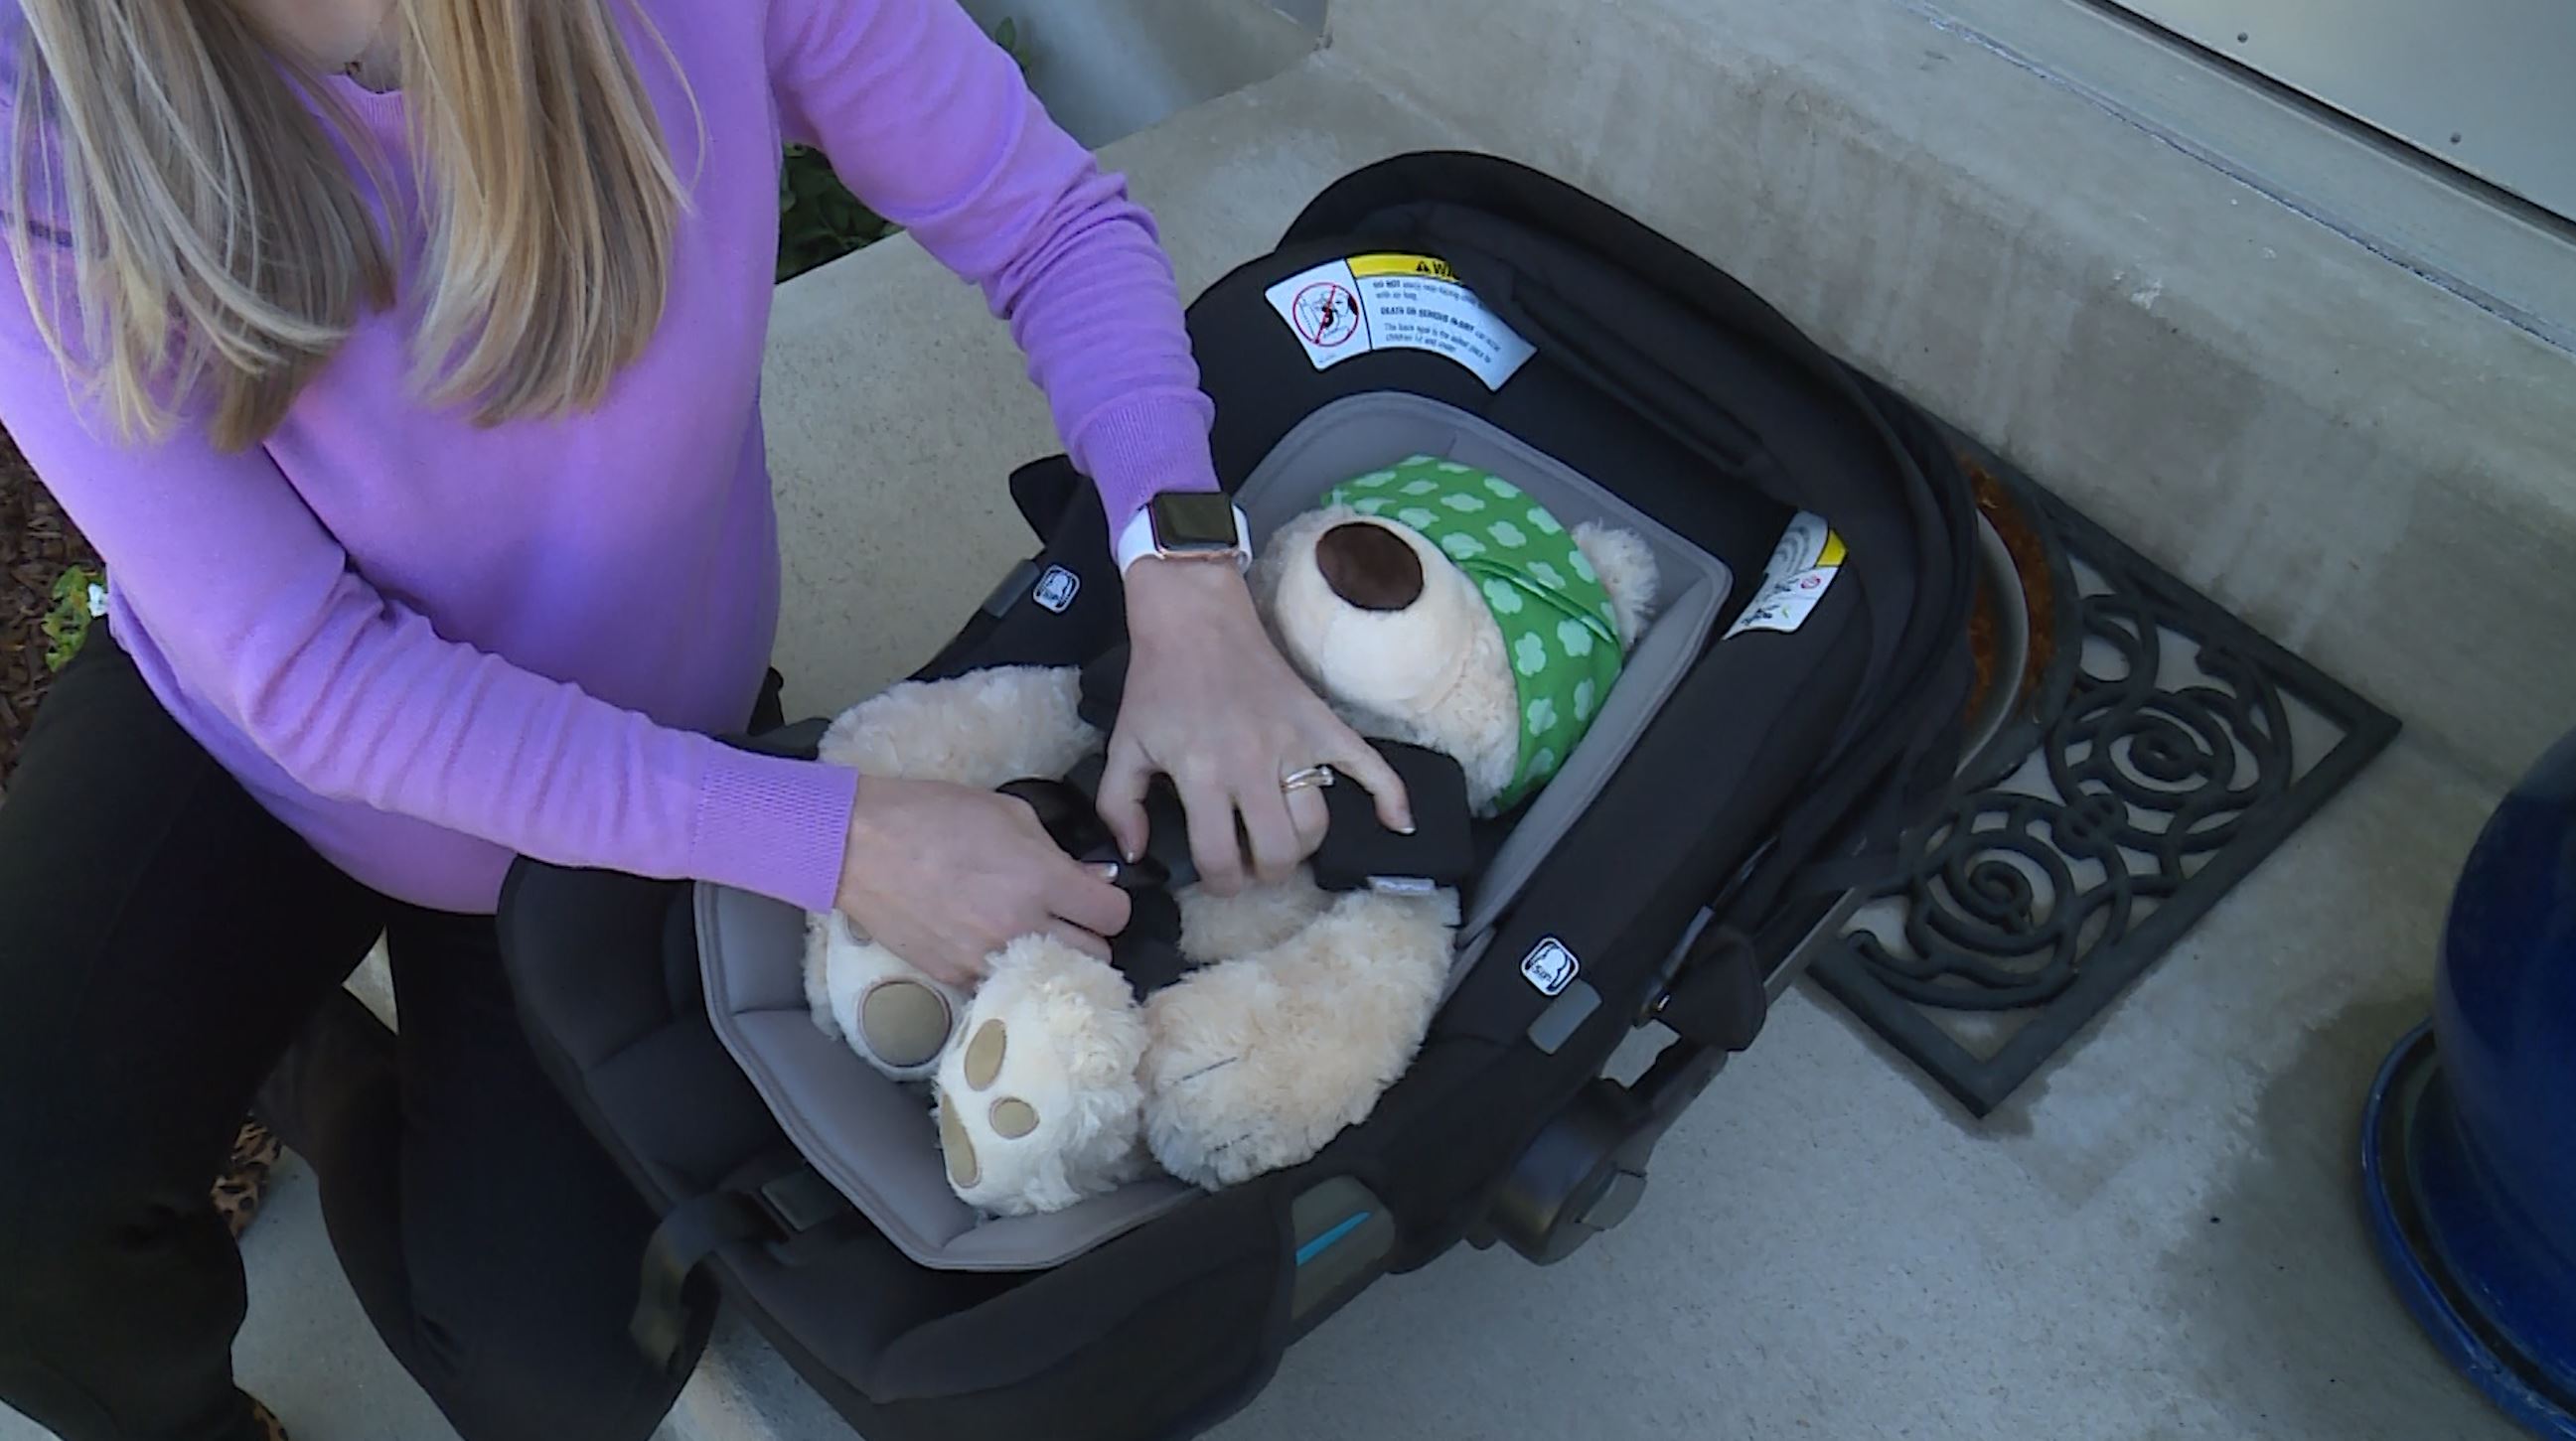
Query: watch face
x=1194 y=521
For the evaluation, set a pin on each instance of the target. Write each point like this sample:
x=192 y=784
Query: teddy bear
x=1433 y=604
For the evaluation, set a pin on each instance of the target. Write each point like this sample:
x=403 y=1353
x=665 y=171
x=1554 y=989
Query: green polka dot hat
x=1557 y=622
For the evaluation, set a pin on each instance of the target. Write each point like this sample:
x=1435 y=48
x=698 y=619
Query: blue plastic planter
x=2469 y=1144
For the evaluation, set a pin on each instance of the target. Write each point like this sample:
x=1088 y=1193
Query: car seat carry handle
x=1504 y=228
x=1719 y=993
x=1908 y=709
x=1718 y=998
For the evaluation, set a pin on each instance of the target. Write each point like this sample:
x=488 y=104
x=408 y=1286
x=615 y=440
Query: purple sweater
x=427 y=646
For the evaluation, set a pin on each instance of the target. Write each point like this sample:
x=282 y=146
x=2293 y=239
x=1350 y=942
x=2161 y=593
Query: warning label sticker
x=1801 y=569
x=1397 y=302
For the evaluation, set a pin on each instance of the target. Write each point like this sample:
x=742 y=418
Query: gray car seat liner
x=874 y=1139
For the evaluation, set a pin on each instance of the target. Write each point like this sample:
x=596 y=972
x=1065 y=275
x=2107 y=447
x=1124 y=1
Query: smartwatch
x=1186 y=525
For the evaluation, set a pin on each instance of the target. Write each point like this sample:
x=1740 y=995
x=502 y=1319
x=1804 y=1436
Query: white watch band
x=1136 y=542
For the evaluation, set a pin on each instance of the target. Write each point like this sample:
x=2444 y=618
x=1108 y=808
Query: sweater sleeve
x=357 y=698
x=931 y=124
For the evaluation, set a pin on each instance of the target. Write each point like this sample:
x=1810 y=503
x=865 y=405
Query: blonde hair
x=217 y=236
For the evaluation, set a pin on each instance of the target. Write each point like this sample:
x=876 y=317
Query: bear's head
x=1438 y=604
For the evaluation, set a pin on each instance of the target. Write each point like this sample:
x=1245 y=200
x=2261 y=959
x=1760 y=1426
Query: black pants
x=169 y=953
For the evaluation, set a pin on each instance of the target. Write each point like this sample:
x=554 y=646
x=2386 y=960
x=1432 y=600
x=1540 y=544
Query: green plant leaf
x=66 y=623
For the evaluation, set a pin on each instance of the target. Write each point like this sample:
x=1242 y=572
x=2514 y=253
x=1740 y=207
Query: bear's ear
x=1627 y=569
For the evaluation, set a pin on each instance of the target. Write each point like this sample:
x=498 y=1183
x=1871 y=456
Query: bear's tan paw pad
x=1010 y=1118
x=1039 y=1100
x=986 y=1050
x=905 y=1023
x=963 y=1168
x=1014 y=1119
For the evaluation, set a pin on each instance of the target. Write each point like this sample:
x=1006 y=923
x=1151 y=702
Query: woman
x=401 y=359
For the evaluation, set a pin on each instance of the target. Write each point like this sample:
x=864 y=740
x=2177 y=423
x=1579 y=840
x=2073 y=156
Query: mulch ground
x=36 y=543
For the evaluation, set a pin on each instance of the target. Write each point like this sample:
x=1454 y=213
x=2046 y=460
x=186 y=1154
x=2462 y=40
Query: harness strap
x=781 y=1209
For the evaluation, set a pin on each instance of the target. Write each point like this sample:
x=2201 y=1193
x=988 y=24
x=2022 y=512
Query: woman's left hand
x=1211 y=704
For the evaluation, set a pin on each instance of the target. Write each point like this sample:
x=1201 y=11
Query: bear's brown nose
x=1369 y=566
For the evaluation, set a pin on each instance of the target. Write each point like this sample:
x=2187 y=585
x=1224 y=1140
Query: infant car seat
x=1797 y=702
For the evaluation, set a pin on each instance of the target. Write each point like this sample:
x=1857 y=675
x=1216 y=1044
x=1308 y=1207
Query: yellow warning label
x=1802 y=568
x=1395 y=301
x=1378 y=267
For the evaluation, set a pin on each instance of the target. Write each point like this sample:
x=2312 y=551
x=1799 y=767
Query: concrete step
x=2157 y=1237
x=2292 y=421
x=1813 y=1253
x=1108 y=69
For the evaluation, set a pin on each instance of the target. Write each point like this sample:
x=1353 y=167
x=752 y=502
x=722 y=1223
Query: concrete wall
x=1309 y=13
x=1108 y=69
x=2378 y=471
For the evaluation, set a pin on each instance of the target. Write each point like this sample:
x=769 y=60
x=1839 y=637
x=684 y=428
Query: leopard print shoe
x=266 y=1423
x=244 y=1184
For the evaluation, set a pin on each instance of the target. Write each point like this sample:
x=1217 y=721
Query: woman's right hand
x=946 y=875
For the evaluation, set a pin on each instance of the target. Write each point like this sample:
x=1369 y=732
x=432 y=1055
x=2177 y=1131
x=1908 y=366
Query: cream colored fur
x=1074 y=1042
x=1215 y=927
x=1626 y=565
x=1433 y=674
x=983 y=729
x=1077 y=1042
x=1258 y=1062
x=1305 y=1007
x=842 y=968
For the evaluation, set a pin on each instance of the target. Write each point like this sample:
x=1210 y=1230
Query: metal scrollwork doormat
x=2164 y=750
